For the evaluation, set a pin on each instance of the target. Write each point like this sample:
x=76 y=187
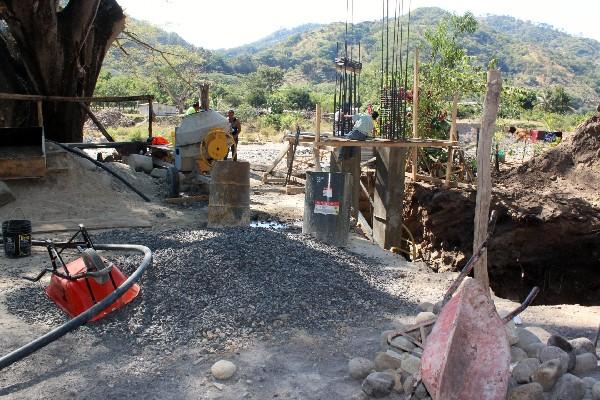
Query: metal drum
x=229 y=198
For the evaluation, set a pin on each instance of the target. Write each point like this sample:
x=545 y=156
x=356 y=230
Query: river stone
x=533 y=350
x=568 y=387
x=408 y=384
x=517 y=354
x=596 y=391
x=159 y=173
x=383 y=344
x=359 y=367
x=425 y=307
x=424 y=316
x=530 y=391
x=223 y=369
x=560 y=342
x=582 y=345
x=526 y=338
x=589 y=382
x=411 y=364
x=421 y=392
x=551 y=352
x=378 y=384
x=511 y=333
x=403 y=343
x=385 y=361
x=585 y=362
x=547 y=374
x=524 y=369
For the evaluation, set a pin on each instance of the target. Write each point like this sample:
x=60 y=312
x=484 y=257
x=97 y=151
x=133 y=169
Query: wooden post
x=415 y=114
x=484 y=177
x=150 y=118
x=40 y=113
x=453 y=137
x=317 y=138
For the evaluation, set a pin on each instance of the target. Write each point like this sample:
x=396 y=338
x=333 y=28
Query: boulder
x=403 y=343
x=596 y=391
x=383 y=344
x=533 y=349
x=526 y=338
x=411 y=364
x=524 y=369
x=560 y=342
x=517 y=354
x=552 y=352
x=568 y=387
x=223 y=369
x=547 y=374
x=425 y=307
x=378 y=384
x=384 y=361
x=511 y=333
x=582 y=345
x=6 y=195
x=530 y=391
x=359 y=367
x=584 y=363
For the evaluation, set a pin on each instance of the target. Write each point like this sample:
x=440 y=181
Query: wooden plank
x=90 y=224
x=405 y=143
x=484 y=178
x=40 y=114
x=23 y=167
x=113 y=99
x=291 y=190
x=280 y=156
x=364 y=225
x=97 y=123
x=453 y=138
x=188 y=199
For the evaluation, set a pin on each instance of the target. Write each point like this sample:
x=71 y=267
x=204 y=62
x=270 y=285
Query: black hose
x=87 y=315
x=104 y=167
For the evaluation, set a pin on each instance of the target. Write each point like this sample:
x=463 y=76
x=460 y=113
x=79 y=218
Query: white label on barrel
x=328 y=192
x=327 y=207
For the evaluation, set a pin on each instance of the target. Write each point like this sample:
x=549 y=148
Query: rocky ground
x=287 y=311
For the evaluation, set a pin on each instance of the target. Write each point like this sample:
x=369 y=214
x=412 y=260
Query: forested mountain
x=530 y=55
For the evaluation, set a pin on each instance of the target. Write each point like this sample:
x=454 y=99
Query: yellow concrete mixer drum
x=214 y=147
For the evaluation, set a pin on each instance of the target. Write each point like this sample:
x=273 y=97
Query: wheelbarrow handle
x=526 y=303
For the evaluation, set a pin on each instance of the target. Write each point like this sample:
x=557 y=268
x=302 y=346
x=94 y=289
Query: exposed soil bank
x=548 y=232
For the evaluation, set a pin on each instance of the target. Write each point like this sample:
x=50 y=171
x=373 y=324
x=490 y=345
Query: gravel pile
x=220 y=287
x=262 y=156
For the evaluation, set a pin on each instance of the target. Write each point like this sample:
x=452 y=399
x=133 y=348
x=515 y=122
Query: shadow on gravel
x=219 y=287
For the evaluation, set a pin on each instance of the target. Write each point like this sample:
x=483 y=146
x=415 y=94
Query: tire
x=93 y=262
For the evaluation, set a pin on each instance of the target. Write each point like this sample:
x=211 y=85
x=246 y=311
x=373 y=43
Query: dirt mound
x=110 y=118
x=572 y=168
x=548 y=233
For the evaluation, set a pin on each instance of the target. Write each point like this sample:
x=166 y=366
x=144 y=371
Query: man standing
x=193 y=109
x=363 y=127
x=235 y=127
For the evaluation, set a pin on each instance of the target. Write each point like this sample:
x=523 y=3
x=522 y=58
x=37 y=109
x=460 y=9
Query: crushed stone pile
x=221 y=288
x=110 y=118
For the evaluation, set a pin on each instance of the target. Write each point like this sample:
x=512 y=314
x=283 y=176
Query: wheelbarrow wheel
x=93 y=262
x=172 y=182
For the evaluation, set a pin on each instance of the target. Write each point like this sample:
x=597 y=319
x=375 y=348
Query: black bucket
x=16 y=235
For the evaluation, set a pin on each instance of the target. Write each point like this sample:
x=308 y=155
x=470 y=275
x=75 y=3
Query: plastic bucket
x=16 y=235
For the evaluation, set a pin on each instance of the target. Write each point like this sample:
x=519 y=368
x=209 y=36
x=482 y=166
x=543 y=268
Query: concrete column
x=389 y=196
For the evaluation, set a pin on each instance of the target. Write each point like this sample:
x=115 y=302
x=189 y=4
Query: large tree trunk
x=52 y=51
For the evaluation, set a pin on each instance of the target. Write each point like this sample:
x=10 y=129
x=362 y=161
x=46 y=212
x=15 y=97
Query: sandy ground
x=292 y=364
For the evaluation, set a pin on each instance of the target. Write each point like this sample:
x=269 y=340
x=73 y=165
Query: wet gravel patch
x=220 y=288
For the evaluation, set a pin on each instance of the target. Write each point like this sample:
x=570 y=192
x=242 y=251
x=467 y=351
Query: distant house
x=160 y=110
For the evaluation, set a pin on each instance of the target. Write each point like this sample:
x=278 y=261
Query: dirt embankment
x=548 y=233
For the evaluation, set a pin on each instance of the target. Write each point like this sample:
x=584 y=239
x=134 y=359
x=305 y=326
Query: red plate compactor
x=77 y=285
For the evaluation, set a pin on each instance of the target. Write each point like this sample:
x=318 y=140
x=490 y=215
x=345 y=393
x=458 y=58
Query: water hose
x=87 y=315
x=104 y=167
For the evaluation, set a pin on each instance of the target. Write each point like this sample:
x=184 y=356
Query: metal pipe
x=104 y=167
x=87 y=315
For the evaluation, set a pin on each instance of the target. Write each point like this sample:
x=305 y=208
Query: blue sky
x=230 y=23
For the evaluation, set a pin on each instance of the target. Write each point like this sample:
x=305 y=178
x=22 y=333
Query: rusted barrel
x=327 y=207
x=229 y=198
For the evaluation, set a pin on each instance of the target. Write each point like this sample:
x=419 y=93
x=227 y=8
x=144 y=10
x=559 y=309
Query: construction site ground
x=278 y=354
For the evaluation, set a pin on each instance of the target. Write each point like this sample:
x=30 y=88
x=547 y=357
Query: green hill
x=530 y=55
